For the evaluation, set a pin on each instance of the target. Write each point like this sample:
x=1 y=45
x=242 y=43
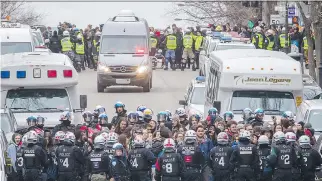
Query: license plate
x=123 y=81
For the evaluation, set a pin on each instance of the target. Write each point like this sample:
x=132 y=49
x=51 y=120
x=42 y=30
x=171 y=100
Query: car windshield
x=40 y=100
x=271 y=101
x=38 y=36
x=228 y=47
x=198 y=96
x=311 y=92
x=123 y=44
x=15 y=47
x=315 y=118
x=5 y=123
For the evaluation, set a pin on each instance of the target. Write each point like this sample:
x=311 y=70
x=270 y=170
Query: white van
x=16 y=38
x=247 y=78
x=124 y=53
x=40 y=84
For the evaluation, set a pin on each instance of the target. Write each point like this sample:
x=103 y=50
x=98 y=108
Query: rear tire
x=100 y=88
x=147 y=87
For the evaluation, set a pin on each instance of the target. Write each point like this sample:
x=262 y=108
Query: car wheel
x=100 y=88
x=147 y=87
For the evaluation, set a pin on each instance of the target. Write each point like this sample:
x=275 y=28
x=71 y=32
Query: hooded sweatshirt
x=12 y=151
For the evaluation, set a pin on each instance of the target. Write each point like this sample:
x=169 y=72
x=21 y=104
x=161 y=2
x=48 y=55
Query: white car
x=38 y=35
x=194 y=99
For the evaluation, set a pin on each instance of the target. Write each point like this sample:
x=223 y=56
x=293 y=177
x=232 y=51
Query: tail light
x=68 y=73
x=51 y=73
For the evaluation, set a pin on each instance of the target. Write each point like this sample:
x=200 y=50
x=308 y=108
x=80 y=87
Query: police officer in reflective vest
x=187 y=51
x=154 y=43
x=192 y=157
x=80 y=50
x=170 y=54
x=198 y=43
x=245 y=159
x=283 y=158
x=99 y=160
x=34 y=158
x=270 y=40
x=66 y=42
x=141 y=159
x=283 y=40
x=169 y=166
x=69 y=159
x=96 y=48
x=258 y=38
x=220 y=158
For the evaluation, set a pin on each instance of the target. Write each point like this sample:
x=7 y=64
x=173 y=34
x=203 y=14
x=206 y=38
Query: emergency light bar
x=200 y=79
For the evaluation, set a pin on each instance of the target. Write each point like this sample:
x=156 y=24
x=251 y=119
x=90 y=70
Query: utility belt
x=196 y=169
x=283 y=168
x=244 y=166
x=40 y=170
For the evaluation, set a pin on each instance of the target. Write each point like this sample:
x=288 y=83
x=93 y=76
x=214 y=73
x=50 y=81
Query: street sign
x=291 y=11
x=277 y=19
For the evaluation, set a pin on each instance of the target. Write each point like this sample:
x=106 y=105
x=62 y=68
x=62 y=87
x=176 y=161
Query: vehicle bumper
x=136 y=79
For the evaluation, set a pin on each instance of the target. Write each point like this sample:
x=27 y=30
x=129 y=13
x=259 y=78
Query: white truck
x=240 y=79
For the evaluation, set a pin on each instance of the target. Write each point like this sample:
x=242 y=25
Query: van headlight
x=142 y=69
x=103 y=68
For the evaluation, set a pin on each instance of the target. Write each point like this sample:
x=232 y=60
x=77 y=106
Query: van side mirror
x=83 y=101
x=183 y=102
x=217 y=105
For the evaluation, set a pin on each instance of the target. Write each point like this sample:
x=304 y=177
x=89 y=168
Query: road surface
x=168 y=88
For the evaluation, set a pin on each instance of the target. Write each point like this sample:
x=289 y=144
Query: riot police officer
x=19 y=157
x=52 y=168
x=192 y=156
x=141 y=159
x=65 y=125
x=245 y=158
x=291 y=140
x=220 y=158
x=99 y=160
x=119 y=167
x=283 y=158
x=110 y=141
x=120 y=112
x=34 y=158
x=310 y=159
x=69 y=158
x=169 y=166
x=264 y=150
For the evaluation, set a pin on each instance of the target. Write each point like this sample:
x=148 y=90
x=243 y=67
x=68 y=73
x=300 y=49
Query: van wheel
x=147 y=87
x=100 y=88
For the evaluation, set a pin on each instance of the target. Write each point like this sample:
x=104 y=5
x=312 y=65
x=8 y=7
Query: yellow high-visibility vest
x=171 y=42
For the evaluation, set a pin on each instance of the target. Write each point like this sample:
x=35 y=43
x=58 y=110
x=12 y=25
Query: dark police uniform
x=119 y=169
x=19 y=162
x=69 y=158
x=170 y=167
x=246 y=161
x=310 y=160
x=63 y=127
x=193 y=159
x=220 y=162
x=141 y=160
x=109 y=150
x=263 y=152
x=99 y=162
x=283 y=158
x=34 y=160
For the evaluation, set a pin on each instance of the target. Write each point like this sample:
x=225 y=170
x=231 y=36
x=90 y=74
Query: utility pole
x=287 y=48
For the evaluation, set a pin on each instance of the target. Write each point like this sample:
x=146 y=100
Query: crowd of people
x=140 y=146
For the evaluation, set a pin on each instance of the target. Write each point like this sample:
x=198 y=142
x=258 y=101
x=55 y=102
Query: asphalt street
x=168 y=88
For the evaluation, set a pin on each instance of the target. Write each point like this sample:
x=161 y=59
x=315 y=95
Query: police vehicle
x=4 y=161
x=40 y=84
x=15 y=38
x=254 y=79
x=8 y=123
x=124 y=53
x=221 y=41
x=40 y=38
x=194 y=99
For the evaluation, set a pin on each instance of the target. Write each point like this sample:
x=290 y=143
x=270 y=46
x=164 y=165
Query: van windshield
x=120 y=44
x=40 y=100
x=15 y=47
x=271 y=101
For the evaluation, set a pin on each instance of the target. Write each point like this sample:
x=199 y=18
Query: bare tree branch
x=20 y=12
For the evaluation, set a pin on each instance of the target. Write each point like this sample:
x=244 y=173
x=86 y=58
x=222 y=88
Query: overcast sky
x=95 y=13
